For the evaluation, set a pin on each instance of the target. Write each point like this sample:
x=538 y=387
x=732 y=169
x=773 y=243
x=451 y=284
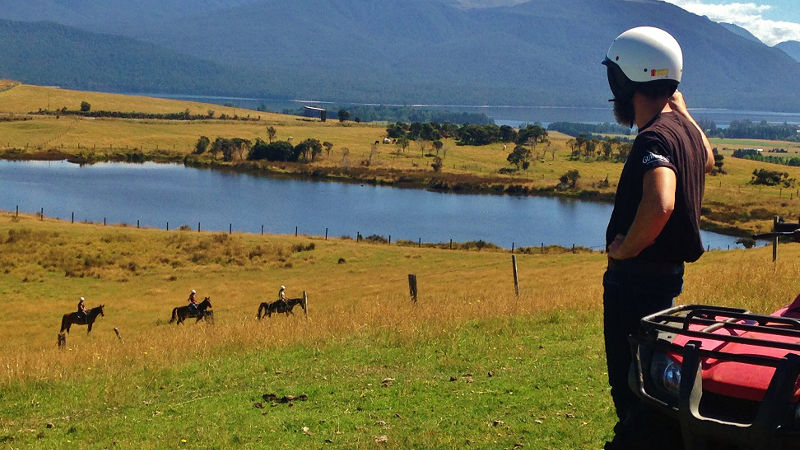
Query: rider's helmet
x=644 y=59
x=283 y=288
x=82 y=299
x=194 y=292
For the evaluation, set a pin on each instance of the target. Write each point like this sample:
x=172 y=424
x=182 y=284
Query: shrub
x=771 y=178
x=275 y=151
x=376 y=239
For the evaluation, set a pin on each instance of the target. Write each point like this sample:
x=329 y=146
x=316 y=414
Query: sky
x=772 y=21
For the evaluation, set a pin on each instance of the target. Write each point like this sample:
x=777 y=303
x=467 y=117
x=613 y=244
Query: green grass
x=547 y=390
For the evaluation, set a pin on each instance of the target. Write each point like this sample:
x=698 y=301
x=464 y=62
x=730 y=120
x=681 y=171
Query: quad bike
x=727 y=376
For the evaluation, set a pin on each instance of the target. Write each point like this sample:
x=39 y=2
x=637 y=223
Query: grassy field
x=469 y=364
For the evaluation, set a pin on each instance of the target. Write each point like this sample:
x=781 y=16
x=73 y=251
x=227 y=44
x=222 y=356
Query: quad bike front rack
x=773 y=424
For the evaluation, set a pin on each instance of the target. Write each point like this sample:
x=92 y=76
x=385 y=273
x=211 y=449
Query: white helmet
x=194 y=292
x=643 y=55
x=82 y=299
x=283 y=288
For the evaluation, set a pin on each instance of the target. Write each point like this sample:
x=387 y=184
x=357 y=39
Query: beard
x=624 y=113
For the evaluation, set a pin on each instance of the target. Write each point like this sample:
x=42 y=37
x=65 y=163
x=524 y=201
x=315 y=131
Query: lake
x=157 y=194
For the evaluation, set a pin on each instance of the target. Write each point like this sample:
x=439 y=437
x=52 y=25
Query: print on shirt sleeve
x=654 y=159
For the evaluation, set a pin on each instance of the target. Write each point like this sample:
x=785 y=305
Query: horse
x=279 y=306
x=78 y=318
x=183 y=312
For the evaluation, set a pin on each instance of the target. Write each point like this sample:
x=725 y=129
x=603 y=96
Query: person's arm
x=655 y=209
x=678 y=104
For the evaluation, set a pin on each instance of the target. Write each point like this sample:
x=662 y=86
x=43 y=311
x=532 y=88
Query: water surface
x=157 y=194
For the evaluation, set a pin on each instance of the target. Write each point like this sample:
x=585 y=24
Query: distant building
x=315 y=111
x=752 y=151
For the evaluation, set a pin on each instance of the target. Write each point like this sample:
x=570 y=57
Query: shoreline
x=404 y=179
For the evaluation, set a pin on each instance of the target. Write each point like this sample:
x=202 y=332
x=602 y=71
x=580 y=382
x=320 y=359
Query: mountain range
x=52 y=54
x=792 y=48
x=406 y=51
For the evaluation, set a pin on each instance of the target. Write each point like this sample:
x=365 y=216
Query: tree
x=271 y=134
x=569 y=179
x=217 y=146
x=437 y=164
x=344 y=115
x=239 y=147
x=607 y=148
x=85 y=106
x=718 y=163
x=623 y=150
x=508 y=134
x=328 y=147
x=202 y=145
x=531 y=134
x=402 y=143
x=519 y=156
x=437 y=145
x=312 y=147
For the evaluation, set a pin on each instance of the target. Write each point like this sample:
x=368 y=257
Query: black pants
x=633 y=290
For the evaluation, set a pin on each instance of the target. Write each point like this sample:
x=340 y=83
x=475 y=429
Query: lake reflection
x=156 y=194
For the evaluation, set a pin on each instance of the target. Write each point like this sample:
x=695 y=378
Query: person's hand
x=678 y=104
x=614 y=247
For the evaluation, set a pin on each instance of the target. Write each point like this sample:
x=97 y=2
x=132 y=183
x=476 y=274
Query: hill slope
x=423 y=51
x=51 y=54
x=736 y=29
x=792 y=48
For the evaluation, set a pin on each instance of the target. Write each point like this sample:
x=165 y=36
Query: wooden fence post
x=198 y=227
x=775 y=239
x=167 y=226
x=305 y=303
x=41 y=215
x=230 y=228
x=295 y=231
x=72 y=219
x=137 y=223
x=326 y=233
x=412 y=287
x=516 y=277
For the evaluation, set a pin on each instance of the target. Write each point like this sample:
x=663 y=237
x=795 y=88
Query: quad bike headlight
x=666 y=373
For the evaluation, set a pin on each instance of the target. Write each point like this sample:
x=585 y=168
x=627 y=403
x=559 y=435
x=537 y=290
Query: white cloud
x=748 y=16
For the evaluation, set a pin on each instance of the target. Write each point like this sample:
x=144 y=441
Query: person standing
x=655 y=224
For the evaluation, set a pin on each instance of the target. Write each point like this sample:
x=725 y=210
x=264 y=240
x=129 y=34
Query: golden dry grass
x=140 y=275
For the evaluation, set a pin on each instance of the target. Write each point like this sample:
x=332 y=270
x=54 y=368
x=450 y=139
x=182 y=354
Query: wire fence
x=477 y=244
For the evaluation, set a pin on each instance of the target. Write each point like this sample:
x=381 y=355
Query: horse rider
x=192 y=300
x=82 y=309
x=282 y=295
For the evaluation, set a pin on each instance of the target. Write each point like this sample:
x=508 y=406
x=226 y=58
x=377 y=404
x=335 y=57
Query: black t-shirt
x=669 y=140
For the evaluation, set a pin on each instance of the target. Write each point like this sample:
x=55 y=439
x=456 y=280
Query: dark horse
x=77 y=318
x=183 y=312
x=279 y=306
